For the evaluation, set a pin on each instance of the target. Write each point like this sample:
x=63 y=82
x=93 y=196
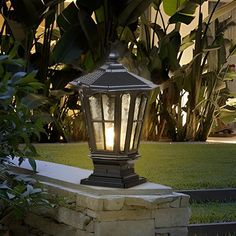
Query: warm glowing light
x=110 y=138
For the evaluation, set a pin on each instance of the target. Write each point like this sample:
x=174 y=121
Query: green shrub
x=20 y=121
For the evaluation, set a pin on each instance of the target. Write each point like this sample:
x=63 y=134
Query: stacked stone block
x=100 y=213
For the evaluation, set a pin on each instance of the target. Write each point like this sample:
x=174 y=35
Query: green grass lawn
x=213 y=212
x=179 y=165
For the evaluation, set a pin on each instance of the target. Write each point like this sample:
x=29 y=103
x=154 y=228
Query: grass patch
x=179 y=165
x=213 y=212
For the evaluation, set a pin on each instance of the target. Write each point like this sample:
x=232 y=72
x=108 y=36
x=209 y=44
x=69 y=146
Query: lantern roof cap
x=113 y=76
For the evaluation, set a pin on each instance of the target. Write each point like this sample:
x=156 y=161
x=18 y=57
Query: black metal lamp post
x=114 y=103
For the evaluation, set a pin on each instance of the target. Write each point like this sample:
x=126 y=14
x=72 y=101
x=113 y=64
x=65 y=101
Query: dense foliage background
x=61 y=42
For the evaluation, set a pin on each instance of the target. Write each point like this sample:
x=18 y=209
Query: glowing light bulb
x=110 y=138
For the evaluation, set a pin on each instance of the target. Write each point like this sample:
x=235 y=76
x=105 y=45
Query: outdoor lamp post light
x=114 y=103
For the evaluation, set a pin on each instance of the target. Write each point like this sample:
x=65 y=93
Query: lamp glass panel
x=136 y=107
x=109 y=135
x=125 y=105
x=132 y=135
x=140 y=105
x=95 y=107
x=108 y=104
x=99 y=138
x=137 y=134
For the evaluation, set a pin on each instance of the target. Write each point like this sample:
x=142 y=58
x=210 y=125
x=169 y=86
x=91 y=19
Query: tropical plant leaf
x=33 y=101
x=132 y=11
x=184 y=13
x=32 y=163
x=19 y=75
x=10 y=195
x=232 y=50
x=90 y=29
x=227 y=116
x=60 y=93
x=232 y=94
x=200 y=2
x=50 y=18
x=126 y=34
x=4 y=186
x=181 y=18
x=171 y=6
x=231 y=102
x=18 y=30
x=169 y=48
x=25 y=12
x=224 y=9
x=99 y=14
x=156 y=4
x=27 y=80
x=158 y=30
x=188 y=7
x=212 y=48
x=185 y=46
x=190 y=37
x=68 y=17
x=229 y=76
x=60 y=78
x=88 y=61
x=70 y=46
x=156 y=62
x=224 y=25
x=3 y=58
x=220 y=85
x=56 y=34
x=42 y=118
x=89 y=4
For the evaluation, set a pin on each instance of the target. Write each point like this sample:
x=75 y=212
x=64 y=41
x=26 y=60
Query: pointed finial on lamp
x=113 y=56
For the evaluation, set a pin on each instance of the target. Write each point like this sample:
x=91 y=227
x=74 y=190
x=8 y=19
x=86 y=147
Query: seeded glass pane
x=109 y=135
x=125 y=104
x=132 y=135
x=137 y=135
x=142 y=108
x=136 y=108
x=95 y=107
x=108 y=107
x=98 y=130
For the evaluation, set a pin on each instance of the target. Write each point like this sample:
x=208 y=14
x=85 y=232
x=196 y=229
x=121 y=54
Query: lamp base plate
x=112 y=182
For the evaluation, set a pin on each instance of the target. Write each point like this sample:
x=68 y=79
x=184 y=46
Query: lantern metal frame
x=114 y=167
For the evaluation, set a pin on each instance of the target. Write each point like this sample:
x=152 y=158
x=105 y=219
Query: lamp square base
x=113 y=173
x=105 y=181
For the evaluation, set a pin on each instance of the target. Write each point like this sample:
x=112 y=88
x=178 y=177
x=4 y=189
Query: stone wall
x=145 y=210
x=115 y=215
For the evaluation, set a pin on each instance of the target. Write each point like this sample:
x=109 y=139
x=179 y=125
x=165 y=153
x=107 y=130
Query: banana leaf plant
x=190 y=95
x=57 y=46
x=155 y=56
x=90 y=28
x=88 y=31
x=203 y=79
x=30 y=26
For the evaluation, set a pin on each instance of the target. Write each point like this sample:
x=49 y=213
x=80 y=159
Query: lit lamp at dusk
x=114 y=103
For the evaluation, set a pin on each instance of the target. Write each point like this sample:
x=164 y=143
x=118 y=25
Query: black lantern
x=114 y=103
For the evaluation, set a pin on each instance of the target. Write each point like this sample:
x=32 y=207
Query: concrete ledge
x=69 y=177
